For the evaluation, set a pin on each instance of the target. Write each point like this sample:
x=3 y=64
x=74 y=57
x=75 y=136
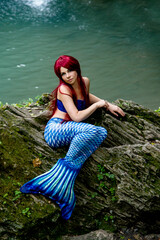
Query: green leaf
x=5 y=195
x=17 y=192
x=99 y=176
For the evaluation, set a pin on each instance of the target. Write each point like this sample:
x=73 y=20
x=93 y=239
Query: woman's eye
x=64 y=73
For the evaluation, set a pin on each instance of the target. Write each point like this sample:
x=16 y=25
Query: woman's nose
x=68 y=75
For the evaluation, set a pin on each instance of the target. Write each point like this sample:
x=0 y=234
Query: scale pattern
x=58 y=183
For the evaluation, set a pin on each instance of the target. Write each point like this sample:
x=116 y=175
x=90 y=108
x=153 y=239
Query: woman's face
x=68 y=76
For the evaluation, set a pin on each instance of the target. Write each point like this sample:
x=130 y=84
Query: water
x=117 y=44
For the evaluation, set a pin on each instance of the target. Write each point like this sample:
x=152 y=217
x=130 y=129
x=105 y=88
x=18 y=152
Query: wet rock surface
x=118 y=188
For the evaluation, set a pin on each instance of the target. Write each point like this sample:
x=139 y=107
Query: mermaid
x=71 y=104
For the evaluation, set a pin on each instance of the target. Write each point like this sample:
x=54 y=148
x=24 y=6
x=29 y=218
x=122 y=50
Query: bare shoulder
x=87 y=82
x=64 y=89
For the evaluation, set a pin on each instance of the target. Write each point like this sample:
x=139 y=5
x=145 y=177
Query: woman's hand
x=101 y=103
x=114 y=109
x=110 y=107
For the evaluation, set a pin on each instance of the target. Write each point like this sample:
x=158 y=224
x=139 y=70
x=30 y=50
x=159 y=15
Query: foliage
x=110 y=178
x=1 y=104
x=26 y=212
x=109 y=218
x=39 y=100
x=24 y=103
x=158 y=110
x=93 y=195
x=134 y=167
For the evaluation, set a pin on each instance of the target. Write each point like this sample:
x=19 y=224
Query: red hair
x=71 y=64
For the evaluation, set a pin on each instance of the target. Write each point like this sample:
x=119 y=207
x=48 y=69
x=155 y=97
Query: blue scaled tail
x=56 y=184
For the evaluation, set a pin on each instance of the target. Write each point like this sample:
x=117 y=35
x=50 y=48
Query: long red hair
x=71 y=64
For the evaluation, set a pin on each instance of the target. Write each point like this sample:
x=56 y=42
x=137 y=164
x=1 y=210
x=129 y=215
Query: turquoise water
x=117 y=44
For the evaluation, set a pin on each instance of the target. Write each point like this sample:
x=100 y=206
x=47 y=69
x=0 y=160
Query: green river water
x=116 y=42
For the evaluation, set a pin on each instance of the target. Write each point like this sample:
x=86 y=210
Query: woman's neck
x=76 y=85
x=77 y=89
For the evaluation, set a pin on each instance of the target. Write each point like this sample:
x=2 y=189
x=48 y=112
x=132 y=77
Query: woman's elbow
x=76 y=118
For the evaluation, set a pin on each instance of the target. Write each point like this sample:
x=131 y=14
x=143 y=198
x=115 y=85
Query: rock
x=95 y=235
x=104 y=235
x=117 y=188
x=152 y=237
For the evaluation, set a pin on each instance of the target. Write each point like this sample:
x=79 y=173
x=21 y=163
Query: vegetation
x=107 y=182
x=122 y=176
x=38 y=101
x=158 y=110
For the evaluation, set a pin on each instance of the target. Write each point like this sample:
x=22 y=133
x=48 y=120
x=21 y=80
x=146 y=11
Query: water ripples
x=29 y=11
x=117 y=43
x=38 y=4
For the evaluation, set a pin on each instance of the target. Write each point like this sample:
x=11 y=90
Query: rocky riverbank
x=117 y=190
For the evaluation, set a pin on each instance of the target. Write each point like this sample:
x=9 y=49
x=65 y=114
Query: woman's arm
x=115 y=110
x=93 y=98
x=109 y=106
x=72 y=110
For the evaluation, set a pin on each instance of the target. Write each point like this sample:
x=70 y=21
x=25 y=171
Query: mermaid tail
x=56 y=184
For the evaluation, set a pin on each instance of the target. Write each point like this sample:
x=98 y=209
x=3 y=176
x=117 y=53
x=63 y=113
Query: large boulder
x=117 y=188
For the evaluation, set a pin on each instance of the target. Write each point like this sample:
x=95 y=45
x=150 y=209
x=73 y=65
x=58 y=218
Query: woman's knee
x=102 y=132
x=99 y=131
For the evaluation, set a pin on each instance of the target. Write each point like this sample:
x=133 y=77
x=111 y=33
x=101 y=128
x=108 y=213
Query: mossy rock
x=118 y=186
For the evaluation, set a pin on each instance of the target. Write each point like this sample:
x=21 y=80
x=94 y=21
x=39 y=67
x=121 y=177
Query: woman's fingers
x=120 y=111
x=116 y=110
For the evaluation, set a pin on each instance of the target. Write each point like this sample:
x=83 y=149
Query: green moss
x=106 y=222
x=17 y=152
x=14 y=150
x=152 y=163
x=107 y=183
x=26 y=215
x=22 y=208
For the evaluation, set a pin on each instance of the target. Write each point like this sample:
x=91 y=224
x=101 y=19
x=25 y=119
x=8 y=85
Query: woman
x=72 y=103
